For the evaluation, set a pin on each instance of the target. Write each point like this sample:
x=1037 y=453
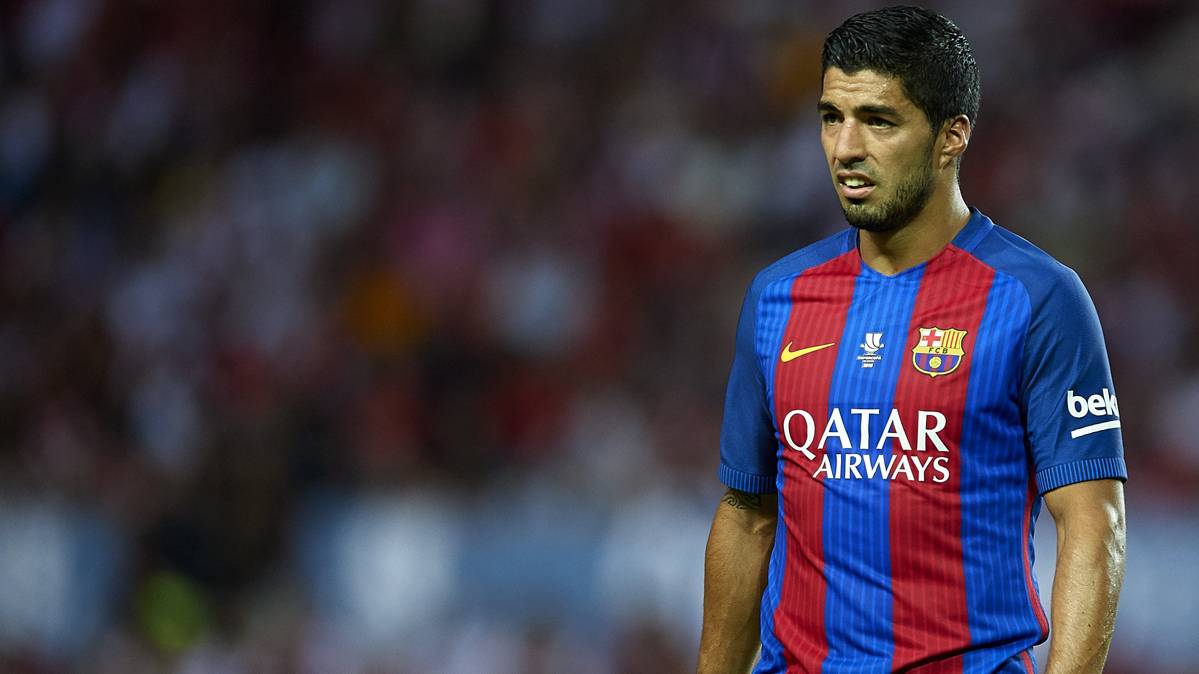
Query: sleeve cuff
x=747 y=482
x=1080 y=471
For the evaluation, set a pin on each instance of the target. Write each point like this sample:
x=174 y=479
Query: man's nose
x=850 y=147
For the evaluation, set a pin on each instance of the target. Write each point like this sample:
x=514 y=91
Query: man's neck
x=890 y=253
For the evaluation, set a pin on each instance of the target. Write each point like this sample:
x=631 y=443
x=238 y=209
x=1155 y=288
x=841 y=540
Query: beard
x=900 y=209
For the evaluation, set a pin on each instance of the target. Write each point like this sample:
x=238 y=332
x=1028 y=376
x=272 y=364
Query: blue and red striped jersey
x=910 y=425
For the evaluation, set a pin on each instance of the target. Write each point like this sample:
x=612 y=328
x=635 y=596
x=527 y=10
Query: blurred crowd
x=359 y=336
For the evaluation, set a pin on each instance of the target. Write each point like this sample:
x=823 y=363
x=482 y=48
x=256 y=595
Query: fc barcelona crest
x=938 y=351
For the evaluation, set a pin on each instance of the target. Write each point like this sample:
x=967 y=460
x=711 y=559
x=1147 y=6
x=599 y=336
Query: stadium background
x=356 y=336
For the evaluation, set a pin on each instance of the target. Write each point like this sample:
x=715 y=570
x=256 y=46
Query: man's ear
x=955 y=136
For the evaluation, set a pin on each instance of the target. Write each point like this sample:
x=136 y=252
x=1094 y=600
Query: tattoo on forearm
x=742 y=500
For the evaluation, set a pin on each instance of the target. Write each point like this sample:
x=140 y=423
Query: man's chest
x=875 y=366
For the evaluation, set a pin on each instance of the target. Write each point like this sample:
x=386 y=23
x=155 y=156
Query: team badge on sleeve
x=938 y=351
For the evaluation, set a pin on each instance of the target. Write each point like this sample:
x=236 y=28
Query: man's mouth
x=855 y=186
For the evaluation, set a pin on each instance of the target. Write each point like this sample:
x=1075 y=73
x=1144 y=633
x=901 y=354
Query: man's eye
x=879 y=121
x=829 y=118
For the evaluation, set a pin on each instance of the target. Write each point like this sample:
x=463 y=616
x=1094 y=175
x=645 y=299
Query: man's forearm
x=1086 y=587
x=735 y=568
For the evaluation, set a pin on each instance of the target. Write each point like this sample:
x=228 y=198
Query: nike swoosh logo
x=789 y=355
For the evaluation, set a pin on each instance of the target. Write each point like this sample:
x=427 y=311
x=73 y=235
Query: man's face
x=879 y=149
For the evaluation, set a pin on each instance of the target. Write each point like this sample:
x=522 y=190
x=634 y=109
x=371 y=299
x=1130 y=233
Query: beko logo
x=1098 y=404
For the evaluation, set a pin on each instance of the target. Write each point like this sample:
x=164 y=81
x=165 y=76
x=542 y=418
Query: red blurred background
x=360 y=336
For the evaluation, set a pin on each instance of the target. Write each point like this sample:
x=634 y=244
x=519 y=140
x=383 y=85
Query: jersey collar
x=976 y=229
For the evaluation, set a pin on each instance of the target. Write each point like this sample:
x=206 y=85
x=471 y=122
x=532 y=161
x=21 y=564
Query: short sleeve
x=1069 y=401
x=747 y=441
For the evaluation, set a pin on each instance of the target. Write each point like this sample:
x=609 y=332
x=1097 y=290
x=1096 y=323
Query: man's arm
x=735 y=566
x=1090 y=571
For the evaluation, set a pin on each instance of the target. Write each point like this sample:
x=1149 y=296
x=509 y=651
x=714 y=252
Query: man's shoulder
x=1047 y=281
x=797 y=262
x=1041 y=274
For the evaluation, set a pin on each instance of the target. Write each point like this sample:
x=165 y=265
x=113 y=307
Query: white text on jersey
x=799 y=433
x=1100 y=405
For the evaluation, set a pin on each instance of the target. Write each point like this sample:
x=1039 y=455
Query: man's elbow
x=1117 y=538
x=764 y=524
x=1091 y=514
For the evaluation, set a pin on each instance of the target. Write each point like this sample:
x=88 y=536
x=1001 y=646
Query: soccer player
x=903 y=396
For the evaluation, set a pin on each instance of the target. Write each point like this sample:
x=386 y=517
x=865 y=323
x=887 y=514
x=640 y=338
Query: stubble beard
x=899 y=210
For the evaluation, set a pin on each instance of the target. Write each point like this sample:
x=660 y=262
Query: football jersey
x=910 y=425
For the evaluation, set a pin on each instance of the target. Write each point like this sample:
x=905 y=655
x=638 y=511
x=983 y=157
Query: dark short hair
x=926 y=52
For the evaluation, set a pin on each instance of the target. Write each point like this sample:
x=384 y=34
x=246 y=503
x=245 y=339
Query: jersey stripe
x=928 y=579
x=1026 y=659
x=857 y=528
x=994 y=475
x=820 y=298
x=1031 y=510
x=774 y=311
